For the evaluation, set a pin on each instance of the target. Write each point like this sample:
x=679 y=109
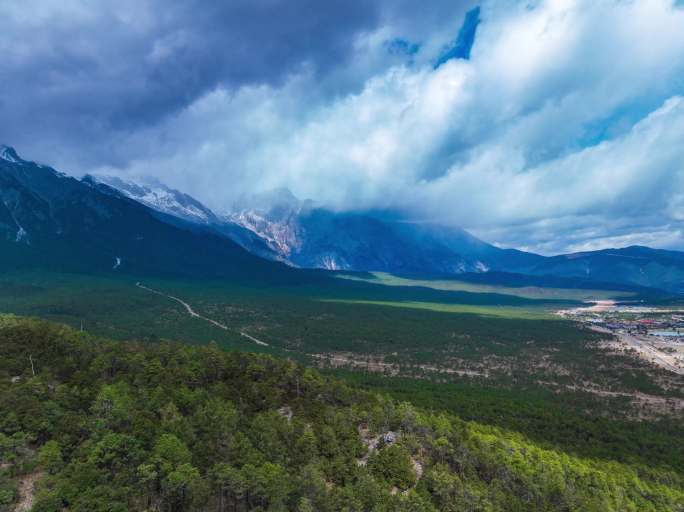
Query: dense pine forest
x=92 y=425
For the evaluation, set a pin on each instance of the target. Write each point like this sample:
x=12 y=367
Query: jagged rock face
x=283 y=235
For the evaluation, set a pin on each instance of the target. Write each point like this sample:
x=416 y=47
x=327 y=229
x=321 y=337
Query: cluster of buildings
x=661 y=323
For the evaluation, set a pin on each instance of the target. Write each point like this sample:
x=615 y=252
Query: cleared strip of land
x=646 y=349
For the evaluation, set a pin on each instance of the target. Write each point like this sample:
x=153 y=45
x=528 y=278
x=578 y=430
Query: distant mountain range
x=51 y=220
x=173 y=204
x=312 y=237
x=110 y=224
x=636 y=265
x=307 y=236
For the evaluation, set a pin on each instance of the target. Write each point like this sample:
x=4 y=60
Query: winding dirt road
x=195 y=314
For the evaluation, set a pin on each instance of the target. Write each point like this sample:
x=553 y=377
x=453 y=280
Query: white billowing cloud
x=568 y=114
x=637 y=173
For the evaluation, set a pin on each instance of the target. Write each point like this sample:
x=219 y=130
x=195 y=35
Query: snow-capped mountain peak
x=309 y=236
x=274 y=217
x=9 y=154
x=282 y=234
x=158 y=196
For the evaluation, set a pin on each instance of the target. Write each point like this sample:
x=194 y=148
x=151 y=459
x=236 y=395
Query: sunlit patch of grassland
x=528 y=292
x=495 y=311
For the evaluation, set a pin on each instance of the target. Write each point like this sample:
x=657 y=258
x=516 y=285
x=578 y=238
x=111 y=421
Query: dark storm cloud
x=79 y=71
x=78 y=76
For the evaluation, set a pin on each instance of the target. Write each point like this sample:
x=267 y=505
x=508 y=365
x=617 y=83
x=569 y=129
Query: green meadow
x=528 y=292
x=529 y=313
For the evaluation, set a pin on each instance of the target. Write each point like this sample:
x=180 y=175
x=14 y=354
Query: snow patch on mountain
x=159 y=197
x=21 y=234
x=281 y=235
x=274 y=216
x=332 y=262
x=9 y=154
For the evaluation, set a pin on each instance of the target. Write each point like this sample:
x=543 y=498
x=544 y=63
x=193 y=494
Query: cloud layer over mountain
x=559 y=128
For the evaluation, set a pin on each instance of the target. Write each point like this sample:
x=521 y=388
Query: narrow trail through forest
x=195 y=314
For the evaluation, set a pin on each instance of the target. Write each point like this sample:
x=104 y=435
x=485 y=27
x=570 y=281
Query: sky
x=551 y=126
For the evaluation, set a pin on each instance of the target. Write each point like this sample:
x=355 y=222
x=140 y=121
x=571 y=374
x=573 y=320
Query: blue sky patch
x=465 y=39
x=399 y=46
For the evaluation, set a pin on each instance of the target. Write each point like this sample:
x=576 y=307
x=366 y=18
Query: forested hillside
x=105 y=426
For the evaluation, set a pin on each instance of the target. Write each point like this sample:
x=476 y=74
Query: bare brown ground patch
x=27 y=491
x=377 y=364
